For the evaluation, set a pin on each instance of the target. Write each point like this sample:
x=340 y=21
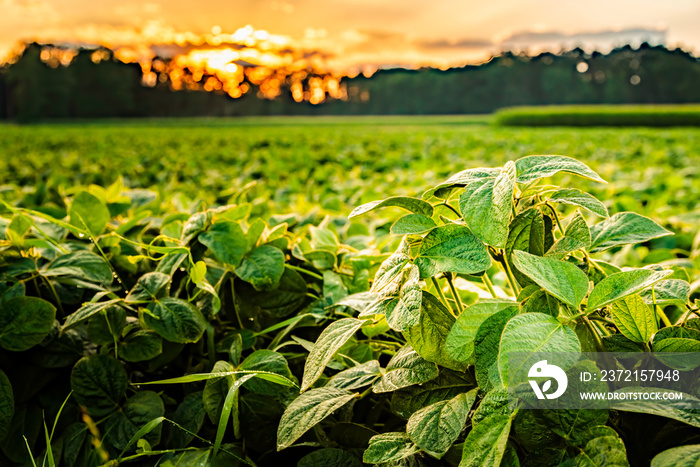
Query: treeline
x=32 y=89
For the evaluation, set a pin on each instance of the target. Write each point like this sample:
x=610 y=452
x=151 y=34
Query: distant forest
x=30 y=89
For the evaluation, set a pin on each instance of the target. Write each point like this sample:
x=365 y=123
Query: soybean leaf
x=87 y=311
x=270 y=362
x=681 y=456
x=464 y=178
x=356 y=377
x=389 y=447
x=454 y=248
x=140 y=346
x=412 y=224
x=99 y=383
x=460 y=340
x=429 y=336
x=81 y=264
x=577 y=197
x=262 y=268
x=684 y=410
x=486 y=207
x=486 y=346
x=148 y=287
x=385 y=281
x=436 y=427
x=624 y=228
x=138 y=410
x=87 y=212
x=331 y=339
x=604 y=451
x=561 y=279
x=526 y=233
x=404 y=311
x=531 y=168
x=175 y=320
x=486 y=443
x=25 y=322
x=447 y=385
x=495 y=402
x=7 y=405
x=307 y=410
x=634 y=318
x=287 y=297
x=405 y=368
x=227 y=241
x=668 y=291
x=106 y=327
x=532 y=333
x=216 y=389
x=622 y=284
x=415 y=205
x=576 y=236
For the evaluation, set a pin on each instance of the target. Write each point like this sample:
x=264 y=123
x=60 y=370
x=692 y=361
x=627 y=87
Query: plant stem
x=556 y=217
x=489 y=285
x=455 y=295
x=305 y=271
x=601 y=319
x=447 y=205
x=441 y=295
x=658 y=309
x=509 y=275
x=596 y=336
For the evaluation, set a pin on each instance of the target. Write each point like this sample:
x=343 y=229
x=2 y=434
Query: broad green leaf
x=389 y=447
x=413 y=224
x=329 y=457
x=447 y=385
x=684 y=410
x=356 y=377
x=436 y=427
x=622 y=284
x=83 y=265
x=486 y=443
x=175 y=320
x=106 y=327
x=387 y=277
x=87 y=311
x=531 y=168
x=331 y=339
x=190 y=415
x=227 y=241
x=268 y=361
x=486 y=207
x=681 y=456
x=262 y=268
x=604 y=451
x=463 y=178
x=148 y=287
x=454 y=248
x=429 y=336
x=25 y=322
x=405 y=368
x=7 y=405
x=286 y=298
x=194 y=225
x=576 y=236
x=216 y=389
x=460 y=340
x=561 y=279
x=230 y=410
x=140 y=346
x=87 y=212
x=307 y=410
x=137 y=412
x=415 y=205
x=666 y=292
x=624 y=228
x=495 y=402
x=531 y=333
x=541 y=302
x=486 y=346
x=404 y=311
x=99 y=382
x=634 y=318
x=577 y=197
x=526 y=233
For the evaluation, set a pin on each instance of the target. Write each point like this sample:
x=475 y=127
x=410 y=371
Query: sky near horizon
x=362 y=32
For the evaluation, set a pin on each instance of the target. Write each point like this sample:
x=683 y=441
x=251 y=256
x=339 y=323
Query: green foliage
x=191 y=334
x=601 y=115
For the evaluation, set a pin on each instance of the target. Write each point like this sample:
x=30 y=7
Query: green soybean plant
x=492 y=261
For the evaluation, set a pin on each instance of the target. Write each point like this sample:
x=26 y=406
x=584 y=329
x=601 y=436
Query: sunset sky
x=363 y=32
